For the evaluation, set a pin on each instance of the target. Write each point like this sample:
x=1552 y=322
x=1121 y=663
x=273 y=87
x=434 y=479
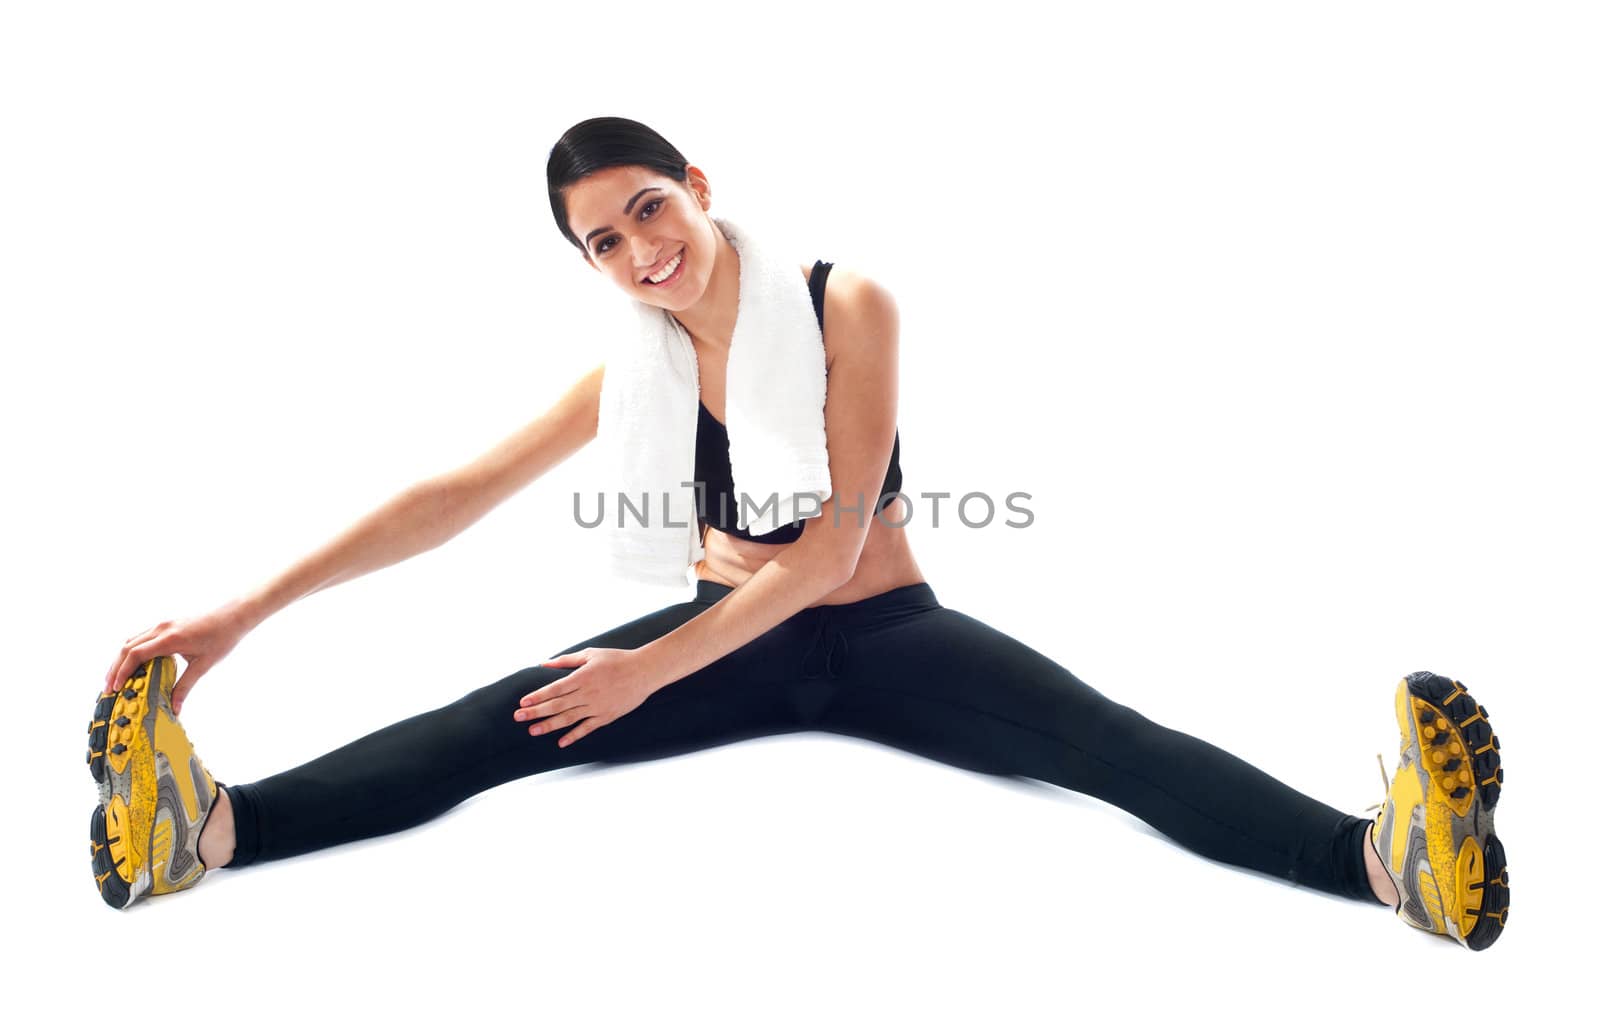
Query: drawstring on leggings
x=835 y=639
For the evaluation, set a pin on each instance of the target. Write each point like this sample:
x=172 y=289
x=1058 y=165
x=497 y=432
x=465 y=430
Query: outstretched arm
x=417 y=519
x=434 y=510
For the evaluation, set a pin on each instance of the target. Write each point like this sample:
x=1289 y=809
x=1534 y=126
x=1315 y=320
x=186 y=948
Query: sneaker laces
x=1385 y=773
x=1374 y=842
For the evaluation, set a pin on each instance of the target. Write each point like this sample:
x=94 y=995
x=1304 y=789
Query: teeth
x=666 y=271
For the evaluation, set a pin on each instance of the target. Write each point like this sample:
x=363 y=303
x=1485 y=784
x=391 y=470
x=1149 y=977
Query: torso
x=885 y=563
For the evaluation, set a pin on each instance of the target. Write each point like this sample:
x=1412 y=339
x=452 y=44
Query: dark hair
x=605 y=142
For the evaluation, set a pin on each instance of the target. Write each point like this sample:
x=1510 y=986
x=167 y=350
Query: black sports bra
x=720 y=506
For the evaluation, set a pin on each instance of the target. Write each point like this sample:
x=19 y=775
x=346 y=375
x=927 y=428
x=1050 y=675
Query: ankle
x=1377 y=877
x=217 y=837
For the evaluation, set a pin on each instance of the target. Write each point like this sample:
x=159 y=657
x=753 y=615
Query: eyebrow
x=625 y=211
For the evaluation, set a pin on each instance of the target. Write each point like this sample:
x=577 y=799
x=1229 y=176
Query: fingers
x=546 y=708
x=551 y=691
x=134 y=654
x=555 y=705
x=582 y=731
x=118 y=665
x=132 y=659
x=560 y=720
x=191 y=673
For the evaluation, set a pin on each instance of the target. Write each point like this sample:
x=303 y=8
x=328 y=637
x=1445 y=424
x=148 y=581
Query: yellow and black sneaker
x=1435 y=831
x=155 y=794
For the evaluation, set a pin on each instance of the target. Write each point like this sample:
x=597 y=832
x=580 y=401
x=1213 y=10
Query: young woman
x=826 y=624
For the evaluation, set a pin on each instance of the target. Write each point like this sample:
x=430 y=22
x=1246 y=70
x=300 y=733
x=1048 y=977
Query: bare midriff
x=885 y=563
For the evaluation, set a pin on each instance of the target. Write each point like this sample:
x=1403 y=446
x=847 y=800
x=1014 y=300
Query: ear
x=699 y=185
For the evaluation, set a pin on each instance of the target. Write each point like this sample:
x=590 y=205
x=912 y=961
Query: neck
x=710 y=320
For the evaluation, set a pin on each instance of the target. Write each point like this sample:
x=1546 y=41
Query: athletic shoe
x=1435 y=831
x=155 y=794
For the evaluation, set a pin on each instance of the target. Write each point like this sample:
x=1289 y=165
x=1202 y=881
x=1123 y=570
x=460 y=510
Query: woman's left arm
x=860 y=416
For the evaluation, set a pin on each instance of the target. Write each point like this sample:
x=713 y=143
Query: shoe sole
x=113 y=888
x=1461 y=762
x=112 y=848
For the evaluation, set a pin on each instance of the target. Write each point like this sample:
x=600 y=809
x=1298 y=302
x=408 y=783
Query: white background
x=1284 y=314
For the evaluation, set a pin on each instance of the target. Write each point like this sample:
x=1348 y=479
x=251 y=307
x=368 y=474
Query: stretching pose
x=825 y=624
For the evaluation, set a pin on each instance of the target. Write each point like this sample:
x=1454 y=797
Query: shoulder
x=857 y=313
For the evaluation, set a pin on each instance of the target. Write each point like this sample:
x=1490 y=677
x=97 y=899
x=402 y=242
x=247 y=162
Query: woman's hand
x=608 y=684
x=202 y=642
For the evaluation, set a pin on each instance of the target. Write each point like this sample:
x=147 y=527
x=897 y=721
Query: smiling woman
x=830 y=626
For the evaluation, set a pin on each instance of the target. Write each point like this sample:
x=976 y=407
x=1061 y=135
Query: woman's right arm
x=418 y=519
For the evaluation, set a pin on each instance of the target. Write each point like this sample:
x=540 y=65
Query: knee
x=509 y=690
x=486 y=713
x=1108 y=727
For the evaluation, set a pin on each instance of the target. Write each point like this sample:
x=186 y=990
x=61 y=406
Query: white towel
x=650 y=410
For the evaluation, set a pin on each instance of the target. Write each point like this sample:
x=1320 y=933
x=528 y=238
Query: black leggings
x=897 y=668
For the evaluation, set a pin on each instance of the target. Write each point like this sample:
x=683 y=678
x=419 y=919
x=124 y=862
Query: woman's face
x=635 y=223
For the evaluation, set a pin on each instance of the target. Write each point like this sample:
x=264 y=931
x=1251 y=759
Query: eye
x=604 y=245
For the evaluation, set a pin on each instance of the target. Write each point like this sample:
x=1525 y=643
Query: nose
x=645 y=253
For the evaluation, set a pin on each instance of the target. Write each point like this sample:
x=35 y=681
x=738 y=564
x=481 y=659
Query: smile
x=668 y=273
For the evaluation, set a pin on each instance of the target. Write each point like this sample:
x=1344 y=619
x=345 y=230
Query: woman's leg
x=407 y=773
x=910 y=673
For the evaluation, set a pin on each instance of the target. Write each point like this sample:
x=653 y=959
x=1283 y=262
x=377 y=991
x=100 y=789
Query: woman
x=824 y=624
